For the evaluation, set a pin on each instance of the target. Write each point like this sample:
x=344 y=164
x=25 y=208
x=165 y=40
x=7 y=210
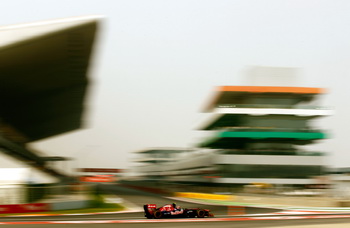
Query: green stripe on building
x=263 y=135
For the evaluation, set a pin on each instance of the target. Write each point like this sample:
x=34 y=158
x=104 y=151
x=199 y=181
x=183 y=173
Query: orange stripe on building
x=271 y=89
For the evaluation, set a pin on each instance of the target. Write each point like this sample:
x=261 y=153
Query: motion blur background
x=155 y=63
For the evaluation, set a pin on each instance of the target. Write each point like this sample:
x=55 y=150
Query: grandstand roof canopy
x=43 y=76
x=225 y=95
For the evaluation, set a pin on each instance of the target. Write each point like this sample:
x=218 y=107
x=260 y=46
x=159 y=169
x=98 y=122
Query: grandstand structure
x=43 y=84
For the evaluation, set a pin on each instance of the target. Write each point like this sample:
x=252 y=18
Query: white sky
x=157 y=63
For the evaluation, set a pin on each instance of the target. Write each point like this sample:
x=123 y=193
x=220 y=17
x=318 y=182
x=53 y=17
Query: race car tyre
x=157 y=214
x=200 y=213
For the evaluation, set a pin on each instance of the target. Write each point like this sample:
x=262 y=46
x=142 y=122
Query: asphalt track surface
x=137 y=219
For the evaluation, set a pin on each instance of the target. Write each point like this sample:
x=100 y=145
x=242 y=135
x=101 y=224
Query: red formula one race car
x=173 y=211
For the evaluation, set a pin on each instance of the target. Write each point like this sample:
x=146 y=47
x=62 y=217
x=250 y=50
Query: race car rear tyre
x=200 y=214
x=157 y=214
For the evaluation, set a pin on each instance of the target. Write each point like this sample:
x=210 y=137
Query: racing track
x=136 y=219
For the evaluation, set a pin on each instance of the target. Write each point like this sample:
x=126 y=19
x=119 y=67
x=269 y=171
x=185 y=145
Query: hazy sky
x=157 y=62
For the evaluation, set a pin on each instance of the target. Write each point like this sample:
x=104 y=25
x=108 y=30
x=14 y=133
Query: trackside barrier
x=24 y=208
x=235 y=210
x=203 y=196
